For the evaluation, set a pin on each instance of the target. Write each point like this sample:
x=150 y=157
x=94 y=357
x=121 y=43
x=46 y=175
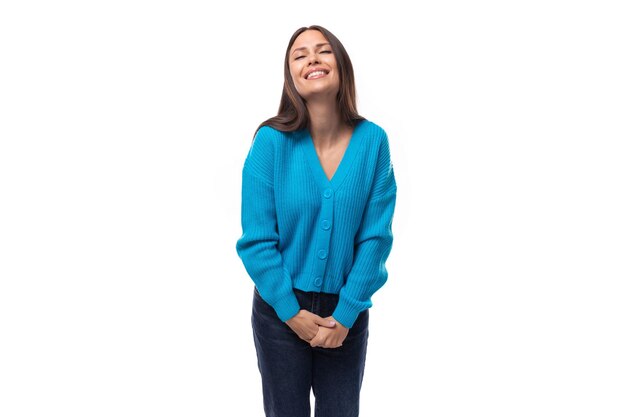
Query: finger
x=333 y=343
x=316 y=341
x=325 y=323
x=311 y=333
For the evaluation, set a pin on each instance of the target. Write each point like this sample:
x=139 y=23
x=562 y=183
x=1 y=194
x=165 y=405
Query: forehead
x=308 y=38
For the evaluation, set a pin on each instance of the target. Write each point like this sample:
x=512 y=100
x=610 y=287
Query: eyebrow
x=304 y=47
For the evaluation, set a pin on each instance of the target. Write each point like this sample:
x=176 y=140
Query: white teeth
x=315 y=73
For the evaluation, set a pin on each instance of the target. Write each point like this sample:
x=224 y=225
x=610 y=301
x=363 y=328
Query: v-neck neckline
x=344 y=165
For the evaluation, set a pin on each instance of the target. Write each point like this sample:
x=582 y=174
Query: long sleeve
x=258 y=245
x=372 y=242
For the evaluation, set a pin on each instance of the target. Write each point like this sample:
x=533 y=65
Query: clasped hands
x=318 y=331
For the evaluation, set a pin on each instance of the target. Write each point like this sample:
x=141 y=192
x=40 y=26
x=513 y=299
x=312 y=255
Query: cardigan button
x=325 y=224
x=322 y=254
x=318 y=282
x=328 y=193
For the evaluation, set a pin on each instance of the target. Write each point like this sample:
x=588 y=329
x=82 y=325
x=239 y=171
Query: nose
x=313 y=59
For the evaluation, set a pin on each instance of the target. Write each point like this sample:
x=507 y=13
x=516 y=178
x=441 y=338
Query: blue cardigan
x=302 y=230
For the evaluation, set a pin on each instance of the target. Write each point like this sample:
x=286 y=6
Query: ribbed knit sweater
x=302 y=230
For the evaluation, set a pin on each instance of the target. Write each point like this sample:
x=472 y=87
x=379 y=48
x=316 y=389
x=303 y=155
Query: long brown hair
x=292 y=112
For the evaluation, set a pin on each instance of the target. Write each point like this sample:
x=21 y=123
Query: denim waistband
x=321 y=303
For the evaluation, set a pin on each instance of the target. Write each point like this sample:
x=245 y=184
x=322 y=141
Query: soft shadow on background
x=123 y=131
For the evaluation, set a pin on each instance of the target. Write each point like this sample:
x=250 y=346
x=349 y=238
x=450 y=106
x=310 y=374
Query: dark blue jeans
x=290 y=367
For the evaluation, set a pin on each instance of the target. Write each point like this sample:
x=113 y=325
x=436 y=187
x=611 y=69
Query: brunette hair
x=292 y=112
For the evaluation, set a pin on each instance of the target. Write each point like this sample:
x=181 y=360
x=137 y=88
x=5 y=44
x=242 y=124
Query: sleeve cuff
x=287 y=307
x=346 y=314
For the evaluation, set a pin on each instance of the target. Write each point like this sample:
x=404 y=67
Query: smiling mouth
x=316 y=74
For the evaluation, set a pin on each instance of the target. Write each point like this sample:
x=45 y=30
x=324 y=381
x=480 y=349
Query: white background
x=124 y=126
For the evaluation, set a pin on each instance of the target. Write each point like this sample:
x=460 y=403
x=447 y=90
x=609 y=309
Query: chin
x=320 y=92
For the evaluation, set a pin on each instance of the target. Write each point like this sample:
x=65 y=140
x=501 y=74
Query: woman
x=318 y=197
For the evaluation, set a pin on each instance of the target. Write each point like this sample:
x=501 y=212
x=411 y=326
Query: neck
x=325 y=121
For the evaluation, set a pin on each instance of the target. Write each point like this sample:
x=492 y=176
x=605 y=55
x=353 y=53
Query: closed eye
x=321 y=52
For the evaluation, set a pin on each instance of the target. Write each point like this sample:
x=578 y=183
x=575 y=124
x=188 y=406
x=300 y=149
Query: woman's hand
x=327 y=337
x=306 y=324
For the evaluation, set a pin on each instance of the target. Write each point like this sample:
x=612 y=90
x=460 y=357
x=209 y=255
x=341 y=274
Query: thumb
x=325 y=323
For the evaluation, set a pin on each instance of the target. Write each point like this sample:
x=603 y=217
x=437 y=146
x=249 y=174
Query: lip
x=306 y=74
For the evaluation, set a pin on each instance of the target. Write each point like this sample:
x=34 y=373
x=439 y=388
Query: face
x=313 y=66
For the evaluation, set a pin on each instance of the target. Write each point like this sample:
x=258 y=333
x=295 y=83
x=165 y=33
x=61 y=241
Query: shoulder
x=380 y=156
x=373 y=132
x=259 y=160
x=270 y=137
x=375 y=137
x=264 y=141
x=265 y=134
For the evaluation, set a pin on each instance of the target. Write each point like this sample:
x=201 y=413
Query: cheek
x=333 y=64
x=293 y=71
x=295 y=79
